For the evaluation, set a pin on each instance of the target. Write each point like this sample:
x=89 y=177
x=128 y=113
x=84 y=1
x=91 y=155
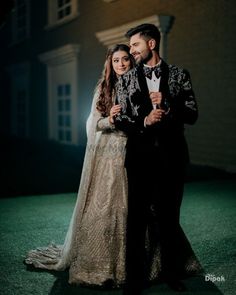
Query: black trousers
x=157 y=195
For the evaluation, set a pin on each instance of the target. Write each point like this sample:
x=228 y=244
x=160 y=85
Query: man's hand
x=154 y=117
x=156 y=98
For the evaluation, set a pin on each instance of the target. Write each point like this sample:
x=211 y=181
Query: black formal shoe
x=176 y=285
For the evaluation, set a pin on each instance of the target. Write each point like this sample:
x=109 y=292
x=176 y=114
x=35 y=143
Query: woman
x=94 y=248
x=95 y=244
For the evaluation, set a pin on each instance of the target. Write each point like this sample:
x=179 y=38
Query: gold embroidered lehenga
x=95 y=244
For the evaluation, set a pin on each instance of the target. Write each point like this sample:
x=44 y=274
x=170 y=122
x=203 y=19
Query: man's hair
x=148 y=31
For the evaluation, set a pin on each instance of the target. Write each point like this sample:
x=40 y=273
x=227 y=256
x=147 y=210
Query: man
x=157 y=101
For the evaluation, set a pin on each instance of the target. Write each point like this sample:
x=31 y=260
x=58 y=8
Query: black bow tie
x=148 y=71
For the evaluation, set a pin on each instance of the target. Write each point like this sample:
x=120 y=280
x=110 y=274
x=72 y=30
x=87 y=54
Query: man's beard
x=145 y=59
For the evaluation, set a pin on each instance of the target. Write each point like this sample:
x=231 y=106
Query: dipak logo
x=213 y=278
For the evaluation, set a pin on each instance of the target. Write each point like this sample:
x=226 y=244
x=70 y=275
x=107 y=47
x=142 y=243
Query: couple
x=125 y=226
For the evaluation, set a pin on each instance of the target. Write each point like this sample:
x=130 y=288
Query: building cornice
x=60 y=55
x=116 y=35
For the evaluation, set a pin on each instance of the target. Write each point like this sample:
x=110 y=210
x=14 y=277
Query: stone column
x=164 y=24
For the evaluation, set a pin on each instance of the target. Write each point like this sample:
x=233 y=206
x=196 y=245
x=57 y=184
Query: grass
x=208 y=219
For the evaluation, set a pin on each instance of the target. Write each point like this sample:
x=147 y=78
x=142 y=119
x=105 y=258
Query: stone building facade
x=52 y=54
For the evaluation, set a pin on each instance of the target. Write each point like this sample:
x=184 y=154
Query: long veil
x=73 y=231
x=59 y=257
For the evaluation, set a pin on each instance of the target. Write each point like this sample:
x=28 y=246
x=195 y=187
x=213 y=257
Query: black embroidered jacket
x=132 y=93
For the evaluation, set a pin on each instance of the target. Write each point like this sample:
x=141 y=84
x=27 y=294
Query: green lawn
x=208 y=218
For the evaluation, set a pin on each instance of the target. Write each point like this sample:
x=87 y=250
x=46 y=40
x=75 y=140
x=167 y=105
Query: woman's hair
x=108 y=79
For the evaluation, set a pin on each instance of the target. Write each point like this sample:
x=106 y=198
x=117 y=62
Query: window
x=20 y=81
x=64 y=113
x=61 y=11
x=20 y=21
x=63 y=8
x=62 y=68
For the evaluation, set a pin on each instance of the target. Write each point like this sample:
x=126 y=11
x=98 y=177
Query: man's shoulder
x=178 y=71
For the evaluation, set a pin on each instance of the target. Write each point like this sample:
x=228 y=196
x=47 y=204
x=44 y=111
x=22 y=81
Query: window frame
x=53 y=21
x=20 y=81
x=59 y=61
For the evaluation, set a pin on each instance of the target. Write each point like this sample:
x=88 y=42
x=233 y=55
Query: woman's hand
x=114 y=111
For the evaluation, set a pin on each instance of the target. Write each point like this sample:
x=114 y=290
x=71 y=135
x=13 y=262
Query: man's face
x=140 y=49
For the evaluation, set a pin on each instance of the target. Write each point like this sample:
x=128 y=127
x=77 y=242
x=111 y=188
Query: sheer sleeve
x=96 y=122
x=91 y=124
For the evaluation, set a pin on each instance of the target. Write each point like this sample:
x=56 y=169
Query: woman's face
x=121 y=62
